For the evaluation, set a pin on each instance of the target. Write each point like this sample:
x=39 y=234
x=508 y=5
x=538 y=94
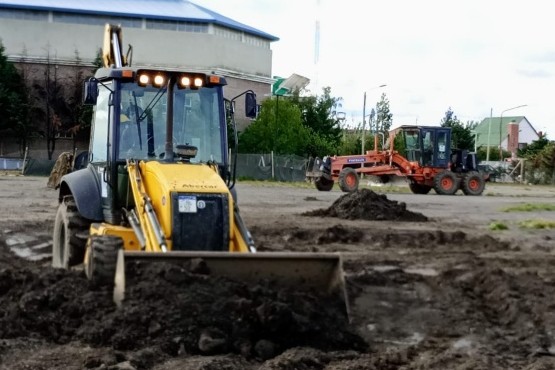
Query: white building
x=164 y=33
x=510 y=132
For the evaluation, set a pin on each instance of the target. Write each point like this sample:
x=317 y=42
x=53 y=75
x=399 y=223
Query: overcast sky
x=473 y=56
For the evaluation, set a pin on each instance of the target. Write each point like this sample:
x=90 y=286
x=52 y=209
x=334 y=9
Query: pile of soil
x=364 y=204
x=168 y=307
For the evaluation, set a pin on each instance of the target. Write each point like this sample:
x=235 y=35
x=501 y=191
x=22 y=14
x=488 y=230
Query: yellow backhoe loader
x=159 y=183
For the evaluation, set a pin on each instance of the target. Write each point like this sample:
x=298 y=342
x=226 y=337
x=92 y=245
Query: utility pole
x=489 y=134
x=363 y=122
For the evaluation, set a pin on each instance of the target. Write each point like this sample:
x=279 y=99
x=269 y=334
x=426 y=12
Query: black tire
x=419 y=188
x=473 y=184
x=323 y=184
x=446 y=183
x=102 y=257
x=70 y=234
x=348 y=180
x=384 y=179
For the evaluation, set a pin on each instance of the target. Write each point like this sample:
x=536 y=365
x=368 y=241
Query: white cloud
x=472 y=56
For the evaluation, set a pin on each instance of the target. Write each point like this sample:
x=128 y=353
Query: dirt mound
x=169 y=308
x=364 y=204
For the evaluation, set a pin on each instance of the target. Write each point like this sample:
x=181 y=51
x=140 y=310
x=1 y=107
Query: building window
x=33 y=15
x=234 y=35
x=159 y=24
x=257 y=41
x=60 y=17
x=192 y=27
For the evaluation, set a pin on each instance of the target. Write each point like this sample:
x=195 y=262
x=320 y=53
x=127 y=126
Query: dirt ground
x=429 y=285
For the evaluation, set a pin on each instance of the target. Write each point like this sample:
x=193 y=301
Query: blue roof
x=178 y=10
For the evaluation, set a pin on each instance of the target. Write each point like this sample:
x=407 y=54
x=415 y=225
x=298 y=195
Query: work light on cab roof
x=157 y=79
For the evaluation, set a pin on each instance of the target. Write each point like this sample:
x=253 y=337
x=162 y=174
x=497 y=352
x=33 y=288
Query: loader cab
x=148 y=115
x=428 y=145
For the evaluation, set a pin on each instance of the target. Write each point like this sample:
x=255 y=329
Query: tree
x=350 y=142
x=461 y=135
x=534 y=148
x=305 y=126
x=13 y=102
x=278 y=128
x=51 y=94
x=540 y=161
x=79 y=120
x=384 y=117
x=319 y=115
x=59 y=92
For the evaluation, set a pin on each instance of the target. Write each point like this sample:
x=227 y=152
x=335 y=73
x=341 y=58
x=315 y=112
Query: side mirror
x=250 y=105
x=90 y=91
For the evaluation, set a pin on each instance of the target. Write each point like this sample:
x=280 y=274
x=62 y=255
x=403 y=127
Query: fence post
x=24 y=159
x=273 y=167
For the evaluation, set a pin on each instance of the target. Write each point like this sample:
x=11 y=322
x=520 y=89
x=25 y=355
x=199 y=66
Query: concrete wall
x=32 y=43
x=37 y=148
x=61 y=41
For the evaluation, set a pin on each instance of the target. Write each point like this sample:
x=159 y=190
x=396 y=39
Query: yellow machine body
x=158 y=184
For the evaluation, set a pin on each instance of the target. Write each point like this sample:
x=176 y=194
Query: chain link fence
x=271 y=167
x=249 y=166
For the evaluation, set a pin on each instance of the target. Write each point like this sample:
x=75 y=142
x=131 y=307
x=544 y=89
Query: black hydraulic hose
x=236 y=142
x=168 y=154
x=138 y=122
x=150 y=135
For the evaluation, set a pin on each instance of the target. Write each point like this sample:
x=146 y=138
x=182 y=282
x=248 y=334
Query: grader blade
x=321 y=273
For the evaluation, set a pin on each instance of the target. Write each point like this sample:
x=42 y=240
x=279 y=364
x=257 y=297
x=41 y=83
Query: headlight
x=185 y=81
x=144 y=79
x=159 y=80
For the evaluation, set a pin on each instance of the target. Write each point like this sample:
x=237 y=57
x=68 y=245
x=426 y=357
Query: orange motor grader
x=421 y=154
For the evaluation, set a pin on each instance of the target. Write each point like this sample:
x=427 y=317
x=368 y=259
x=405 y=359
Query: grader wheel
x=473 y=184
x=419 y=188
x=446 y=183
x=348 y=180
x=323 y=184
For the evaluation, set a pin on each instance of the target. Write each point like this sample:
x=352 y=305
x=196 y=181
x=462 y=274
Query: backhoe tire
x=70 y=234
x=473 y=183
x=348 y=180
x=419 y=188
x=323 y=184
x=446 y=183
x=102 y=256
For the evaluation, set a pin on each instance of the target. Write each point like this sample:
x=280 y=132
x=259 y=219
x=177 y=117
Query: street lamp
x=501 y=126
x=364 y=115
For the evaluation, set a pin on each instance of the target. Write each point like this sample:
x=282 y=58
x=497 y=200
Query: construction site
x=430 y=285
x=150 y=251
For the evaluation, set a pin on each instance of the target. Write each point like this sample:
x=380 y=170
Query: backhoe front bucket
x=322 y=273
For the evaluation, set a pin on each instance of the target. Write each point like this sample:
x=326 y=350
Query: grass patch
x=489 y=194
x=530 y=207
x=537 y=224
x=291 y=184
x=496 y=225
